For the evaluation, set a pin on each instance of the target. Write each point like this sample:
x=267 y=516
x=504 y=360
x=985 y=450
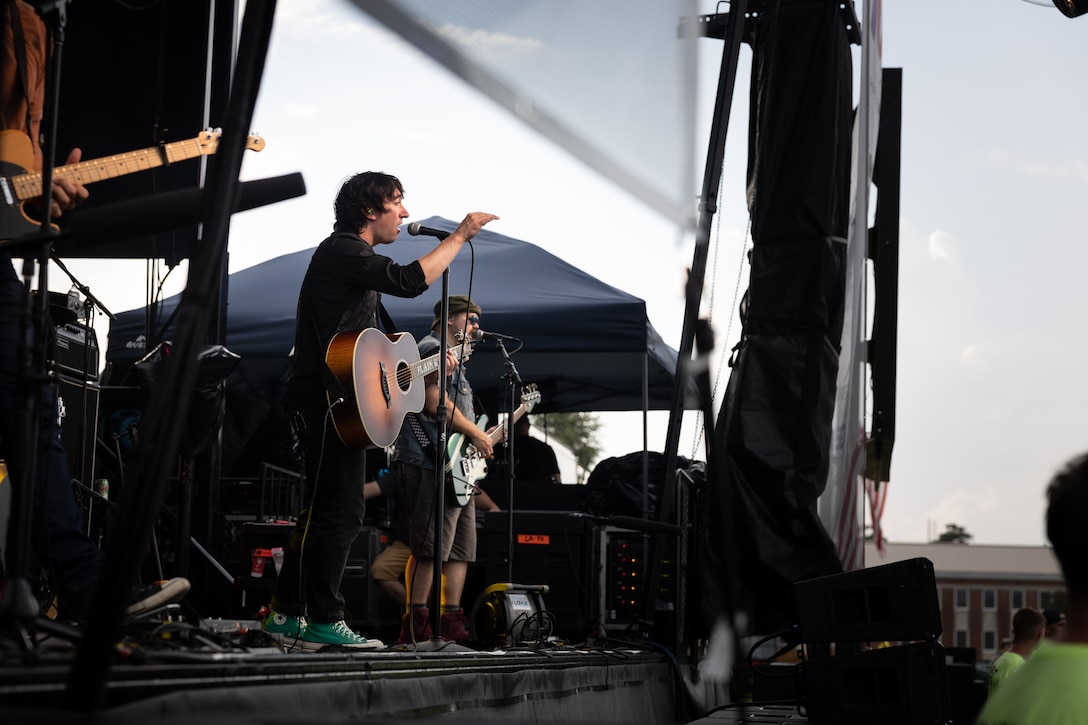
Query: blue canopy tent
x=588 y=346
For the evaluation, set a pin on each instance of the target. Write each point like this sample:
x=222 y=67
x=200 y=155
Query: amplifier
x=69 y=350
x=550 y=547
x=77 y=414
x=624 y=573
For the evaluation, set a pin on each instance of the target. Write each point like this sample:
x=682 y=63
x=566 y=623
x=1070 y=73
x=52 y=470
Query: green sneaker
x=320 y=634
x=289 y=628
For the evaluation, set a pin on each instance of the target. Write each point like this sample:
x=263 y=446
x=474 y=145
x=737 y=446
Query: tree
x=954 y=534
x=578 y=432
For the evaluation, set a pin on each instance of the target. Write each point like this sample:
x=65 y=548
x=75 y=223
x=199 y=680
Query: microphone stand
x=440 y=466
x=90 y=300
x=513 y=382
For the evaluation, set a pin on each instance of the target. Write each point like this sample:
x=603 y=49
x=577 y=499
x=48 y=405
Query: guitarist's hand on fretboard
x=68 y=194
x=482 y=442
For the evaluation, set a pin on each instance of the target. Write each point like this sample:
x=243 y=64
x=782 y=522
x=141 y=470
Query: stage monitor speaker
x=77 y=412
x=895 y=602
x=906 y=684
x=549 y=548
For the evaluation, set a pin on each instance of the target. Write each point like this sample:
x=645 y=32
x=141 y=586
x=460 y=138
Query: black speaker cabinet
x=907 y=684
x=77 y=412
x=550 y=548
x=895 y=602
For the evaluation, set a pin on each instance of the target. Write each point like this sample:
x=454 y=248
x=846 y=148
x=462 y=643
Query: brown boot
x=452 y=627
x=417 y=622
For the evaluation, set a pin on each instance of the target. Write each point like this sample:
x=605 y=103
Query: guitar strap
x=424 y=438
x=20 y=53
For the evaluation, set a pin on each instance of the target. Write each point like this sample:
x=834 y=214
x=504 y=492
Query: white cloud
x=491 y=43
x=942 y=245
x=970 y=356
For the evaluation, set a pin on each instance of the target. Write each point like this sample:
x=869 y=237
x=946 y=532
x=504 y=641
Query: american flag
x=877 y=493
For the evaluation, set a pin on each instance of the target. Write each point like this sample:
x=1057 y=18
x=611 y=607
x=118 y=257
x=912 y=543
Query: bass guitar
x=17 y=185
x=465 y=464
x=378 y=373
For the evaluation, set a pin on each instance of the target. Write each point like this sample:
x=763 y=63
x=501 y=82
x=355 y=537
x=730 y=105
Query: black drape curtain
x=774 y=426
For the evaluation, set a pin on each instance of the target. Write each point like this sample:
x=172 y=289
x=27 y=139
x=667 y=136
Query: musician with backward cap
x=341 y=292
x=417 y=454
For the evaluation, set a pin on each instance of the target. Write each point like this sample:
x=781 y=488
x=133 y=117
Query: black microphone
x=481 y=335
x=415 y=230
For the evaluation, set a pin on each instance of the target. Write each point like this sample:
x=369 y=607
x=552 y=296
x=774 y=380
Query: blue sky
x=991 y=309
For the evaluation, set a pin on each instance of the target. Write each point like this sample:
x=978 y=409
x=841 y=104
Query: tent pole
x=645 y=438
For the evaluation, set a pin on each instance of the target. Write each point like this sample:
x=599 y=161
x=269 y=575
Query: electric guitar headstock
x=208 y=141
x=530 y=396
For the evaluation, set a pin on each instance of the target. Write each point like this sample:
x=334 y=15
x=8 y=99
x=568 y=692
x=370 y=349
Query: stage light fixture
x=1072 y=8
x=507 y=615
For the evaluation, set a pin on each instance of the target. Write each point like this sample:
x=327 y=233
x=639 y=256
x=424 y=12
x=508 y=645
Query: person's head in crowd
x=1067 y=503
x=1028 y=627
x=1055 y=623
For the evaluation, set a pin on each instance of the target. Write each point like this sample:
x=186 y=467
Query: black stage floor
x=182 y=674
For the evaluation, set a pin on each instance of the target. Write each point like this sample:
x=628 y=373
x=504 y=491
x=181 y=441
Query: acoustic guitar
x=18 y=185
x=378 y=373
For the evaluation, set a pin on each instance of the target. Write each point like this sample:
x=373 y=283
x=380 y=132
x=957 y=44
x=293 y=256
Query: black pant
x=313 y=564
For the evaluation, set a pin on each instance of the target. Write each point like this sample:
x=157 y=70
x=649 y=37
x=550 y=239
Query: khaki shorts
x=390 y=563
x=459 y=524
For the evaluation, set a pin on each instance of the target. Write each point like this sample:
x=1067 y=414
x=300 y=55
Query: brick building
x=981 y=586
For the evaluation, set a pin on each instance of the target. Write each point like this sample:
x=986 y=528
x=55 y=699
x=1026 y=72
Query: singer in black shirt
x=341 y=292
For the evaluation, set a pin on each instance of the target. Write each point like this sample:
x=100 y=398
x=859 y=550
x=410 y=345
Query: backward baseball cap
x=458 y=303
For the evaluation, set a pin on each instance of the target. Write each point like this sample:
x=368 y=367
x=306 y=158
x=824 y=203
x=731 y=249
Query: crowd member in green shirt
x=1049 y=689
x=1028 y=627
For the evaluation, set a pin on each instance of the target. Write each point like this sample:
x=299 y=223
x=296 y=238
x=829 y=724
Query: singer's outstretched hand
x=439 y=258
x=471 y=225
